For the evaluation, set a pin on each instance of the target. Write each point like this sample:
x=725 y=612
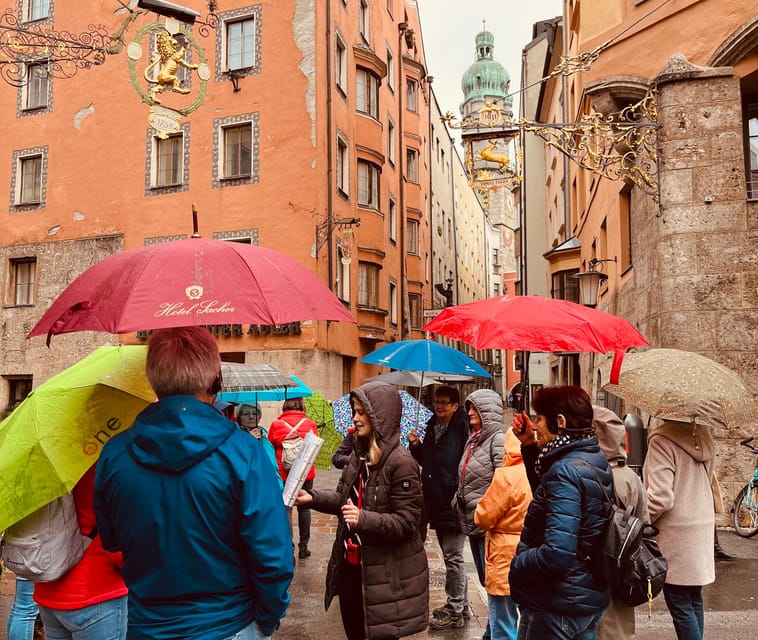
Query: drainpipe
x=402 y=27
x=565 y=118
x=329 y=151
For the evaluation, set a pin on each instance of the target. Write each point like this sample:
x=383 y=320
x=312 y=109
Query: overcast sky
x=449 y=28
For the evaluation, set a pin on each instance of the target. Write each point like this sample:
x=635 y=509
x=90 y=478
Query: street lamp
x=590 y=280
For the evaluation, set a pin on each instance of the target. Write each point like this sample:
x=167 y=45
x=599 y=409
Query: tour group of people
x=193 y=539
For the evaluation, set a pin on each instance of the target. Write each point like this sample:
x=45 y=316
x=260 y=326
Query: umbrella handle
x=618 y=359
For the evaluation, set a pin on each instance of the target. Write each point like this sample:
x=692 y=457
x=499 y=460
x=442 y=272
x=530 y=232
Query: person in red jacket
x=90 y=600
x=293 y=423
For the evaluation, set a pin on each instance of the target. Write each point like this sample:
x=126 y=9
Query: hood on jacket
x=695 y=440
x=177 y=432
x=511 y=450
x=489 y=404
x=611 y=433
x=384 y=407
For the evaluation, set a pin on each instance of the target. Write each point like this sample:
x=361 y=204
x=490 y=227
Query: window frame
x=43 y=93
x=750 y=111
x=390 y=60
x=412 y=165
x=29 y=7
x=225 y=131
x=223 y=69
x=340 y=64
x=411 y=95
x=342 y=276
x=392 y=219
x=415 y=310
x=368 y=284
x=364 y=20
x=367 y=85
x=342 y=166
x=369 y=187
x=391 y=140
x=169 y=160
x=412 y=239
x=22 y=294
x=220 y=180
x=392 y=306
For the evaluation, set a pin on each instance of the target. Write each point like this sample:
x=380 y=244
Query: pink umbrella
x=189 y=283
x=537 y=323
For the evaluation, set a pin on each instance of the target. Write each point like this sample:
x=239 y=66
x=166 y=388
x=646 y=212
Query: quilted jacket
x=563 y=528
x=394 y=568
x=480 y=462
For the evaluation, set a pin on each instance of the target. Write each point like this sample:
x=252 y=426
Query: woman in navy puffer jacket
x=550 y=576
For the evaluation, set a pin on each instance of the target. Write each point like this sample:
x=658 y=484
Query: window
x=390 y=70
x=390 y=140
x=367 y=92
x=37 y=86
x=368 y=285
x=625 y=229
x=240 y=44
x=411 y=165
x=340 y=63
x=238 y=151
x=368 y=184
x=565 y=286
x=412 y=240
x=414 y=308
x=393 y=303
x=364 y=19
x=752 y=147
x=22 y=273
x=168 y=157
x=343 y=162
x=31 y=180
x=392 y=219
x=18 y=388
x=37 y=10
x=411 y=96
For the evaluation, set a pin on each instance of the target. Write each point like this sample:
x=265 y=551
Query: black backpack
x=628 y=557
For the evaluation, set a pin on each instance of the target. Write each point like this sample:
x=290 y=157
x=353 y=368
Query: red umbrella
x=537 y=323
x=188 y=283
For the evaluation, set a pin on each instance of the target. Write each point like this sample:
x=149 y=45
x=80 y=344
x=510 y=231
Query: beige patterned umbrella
x=670 y=383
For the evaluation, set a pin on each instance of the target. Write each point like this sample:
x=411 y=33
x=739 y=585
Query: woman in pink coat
x=501 y=513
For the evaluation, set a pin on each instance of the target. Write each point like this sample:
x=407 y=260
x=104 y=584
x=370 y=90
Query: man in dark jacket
x=439 y=455
x=194 y=505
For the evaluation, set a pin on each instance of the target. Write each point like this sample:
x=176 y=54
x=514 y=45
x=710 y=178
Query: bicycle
x=745 y=509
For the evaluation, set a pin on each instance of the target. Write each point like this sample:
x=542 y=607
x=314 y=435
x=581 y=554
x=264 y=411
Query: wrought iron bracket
x=618 y=146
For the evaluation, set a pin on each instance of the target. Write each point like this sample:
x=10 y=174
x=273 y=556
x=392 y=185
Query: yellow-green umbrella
x=58 y=431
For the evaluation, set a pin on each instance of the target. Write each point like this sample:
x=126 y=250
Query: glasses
x=441 y=403
x=249 y=414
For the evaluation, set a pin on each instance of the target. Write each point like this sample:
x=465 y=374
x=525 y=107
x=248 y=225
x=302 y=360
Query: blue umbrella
x=268 y=395
x=425 y=355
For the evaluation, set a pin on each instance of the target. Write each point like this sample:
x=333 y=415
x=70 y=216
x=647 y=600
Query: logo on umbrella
x=194 y=292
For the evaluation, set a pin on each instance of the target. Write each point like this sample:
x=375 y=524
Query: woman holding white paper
x=378 y=551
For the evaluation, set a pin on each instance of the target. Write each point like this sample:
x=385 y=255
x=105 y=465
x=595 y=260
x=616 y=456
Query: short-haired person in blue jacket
x=550 y=577
x=194 y=505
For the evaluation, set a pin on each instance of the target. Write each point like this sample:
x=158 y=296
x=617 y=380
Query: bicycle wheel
x=746 y=512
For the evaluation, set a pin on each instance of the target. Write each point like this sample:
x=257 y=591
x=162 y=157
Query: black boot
x=718 y=552
x=303 y=552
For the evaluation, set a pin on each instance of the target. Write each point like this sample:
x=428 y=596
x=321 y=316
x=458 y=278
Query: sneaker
x=303 y=552
x=466 y=613
x=446 y=620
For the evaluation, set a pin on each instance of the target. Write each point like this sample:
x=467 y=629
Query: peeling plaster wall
x=304 y=31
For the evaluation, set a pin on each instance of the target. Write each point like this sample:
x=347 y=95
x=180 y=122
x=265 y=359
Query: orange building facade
x=304 y=129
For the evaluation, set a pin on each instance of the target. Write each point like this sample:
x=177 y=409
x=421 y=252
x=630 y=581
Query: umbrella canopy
x=675 y=384
x=253 y=377
x=58 y=431
x=537 y=323
x=319 y=409
x=405 y=378
x=272 y=394
x=425 y=355
x=414 y=416
x=190 y=282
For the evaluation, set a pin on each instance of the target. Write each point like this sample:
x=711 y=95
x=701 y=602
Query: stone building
x=678 y=241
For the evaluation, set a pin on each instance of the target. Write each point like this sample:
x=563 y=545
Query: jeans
x=451 y=544
x=503 y=617
x=540 y=625
x=250 y=632
x=23 y=611
x=477 y=550
x=686 y=607
x=102 y=621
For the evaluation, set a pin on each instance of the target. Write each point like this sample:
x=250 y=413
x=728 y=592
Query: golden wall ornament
x=159 y=84
x=619 y=146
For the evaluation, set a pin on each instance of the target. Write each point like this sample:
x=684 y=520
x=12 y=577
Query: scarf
x=567 y=437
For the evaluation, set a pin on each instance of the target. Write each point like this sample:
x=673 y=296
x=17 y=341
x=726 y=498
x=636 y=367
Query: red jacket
x=97 y=576
x=281 y=428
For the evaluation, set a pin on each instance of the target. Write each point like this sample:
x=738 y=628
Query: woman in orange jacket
x=501 y=513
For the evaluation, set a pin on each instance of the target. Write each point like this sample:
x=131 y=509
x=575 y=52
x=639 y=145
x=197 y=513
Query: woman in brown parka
x=378 y=566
